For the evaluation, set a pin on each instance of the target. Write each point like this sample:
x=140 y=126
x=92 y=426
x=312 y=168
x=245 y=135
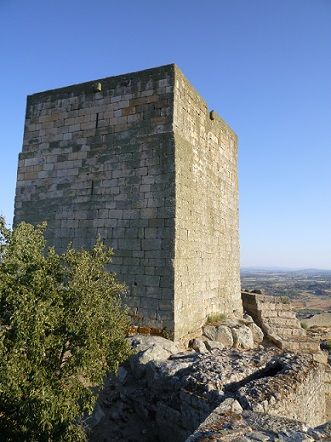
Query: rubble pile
x=164 y=393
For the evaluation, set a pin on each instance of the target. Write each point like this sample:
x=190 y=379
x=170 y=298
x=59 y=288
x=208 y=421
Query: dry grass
x=215 y=318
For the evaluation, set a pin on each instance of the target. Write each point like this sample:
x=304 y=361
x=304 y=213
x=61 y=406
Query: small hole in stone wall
x=97 y=120
x=92 y=187
x=135 y=284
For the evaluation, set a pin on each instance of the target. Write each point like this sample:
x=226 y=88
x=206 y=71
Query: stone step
x=280 y=325
x=285 y=332
x=259 y=299
x=266 y=306
x=277 y=322
x=278 y=314
x=300 y=345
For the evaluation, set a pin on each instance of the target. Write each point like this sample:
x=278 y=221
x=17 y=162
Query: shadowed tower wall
x=137 y=160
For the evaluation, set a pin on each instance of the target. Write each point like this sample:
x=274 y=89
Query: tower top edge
x=76 y=87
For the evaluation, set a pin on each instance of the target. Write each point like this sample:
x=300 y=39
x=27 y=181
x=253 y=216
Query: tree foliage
x=62 y=328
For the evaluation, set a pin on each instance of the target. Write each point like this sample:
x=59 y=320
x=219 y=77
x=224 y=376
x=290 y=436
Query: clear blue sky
x=264 y=65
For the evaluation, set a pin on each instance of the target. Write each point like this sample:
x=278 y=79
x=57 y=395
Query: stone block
x=151 y=244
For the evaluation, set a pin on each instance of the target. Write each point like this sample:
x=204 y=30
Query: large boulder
x=229 y=405
x=246 y=319
x=142 y=342
x=224 y=336
x=213 y=345
x=198 y=345
x=149 y=348
x=258 y=334
x=219 y=333
x=243 y=337
x=210 y=331
x=153 y=353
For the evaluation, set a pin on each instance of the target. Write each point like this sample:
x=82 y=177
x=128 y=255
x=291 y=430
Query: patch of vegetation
x=304 y=325
x=62 y=328
x=215 y=318
x=166 y=334
x=326 y=345
x=285 y=300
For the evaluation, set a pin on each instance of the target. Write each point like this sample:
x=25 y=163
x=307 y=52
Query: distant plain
x=308 y=289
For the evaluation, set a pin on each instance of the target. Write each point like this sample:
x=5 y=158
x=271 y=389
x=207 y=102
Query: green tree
x=62 y=328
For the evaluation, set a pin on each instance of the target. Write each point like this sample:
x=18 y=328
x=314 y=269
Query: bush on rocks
x=62 y=328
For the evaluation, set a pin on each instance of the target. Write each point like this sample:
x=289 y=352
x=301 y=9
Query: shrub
x=326 y=345
x=62 y=328
x=285 y=300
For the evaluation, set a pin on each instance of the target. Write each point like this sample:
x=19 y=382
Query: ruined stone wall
x=102 y=163
x=296 y=392
x=305 y=403
x=207 y=276
x=164 y=393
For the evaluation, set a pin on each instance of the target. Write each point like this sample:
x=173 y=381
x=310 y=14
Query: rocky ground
x=248 y=426
x=229 y=385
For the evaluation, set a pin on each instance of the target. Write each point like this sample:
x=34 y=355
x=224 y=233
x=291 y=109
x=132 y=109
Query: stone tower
x=139 y=160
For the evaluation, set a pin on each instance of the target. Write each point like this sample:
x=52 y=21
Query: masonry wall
x=297 y=392
x=307 y=402
x=102 y=163
x=207 y=273
x=139 y=160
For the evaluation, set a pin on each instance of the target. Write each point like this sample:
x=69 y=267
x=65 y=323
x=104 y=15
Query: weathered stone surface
x=180 y=391
x=257 y=333
x=153 y=353
x=224 y=336
x=252 y=427
x=286 y=383
x=198 y=345
x=229 y=405
x=247 y=319
x=210 y=331
x=241 y=332
x=141 y=342
x=244 y=333
x=213 y=345
x=150 y=348
x=242 y=337
x=322 y=432
x=236 y=394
